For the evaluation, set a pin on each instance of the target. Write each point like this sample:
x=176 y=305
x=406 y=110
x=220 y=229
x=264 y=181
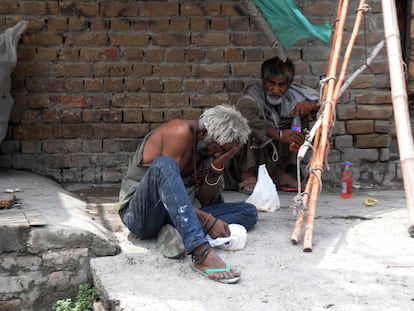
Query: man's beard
x=274 y=100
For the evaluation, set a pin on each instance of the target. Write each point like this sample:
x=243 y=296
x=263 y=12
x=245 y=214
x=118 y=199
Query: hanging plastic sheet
x=289 y=24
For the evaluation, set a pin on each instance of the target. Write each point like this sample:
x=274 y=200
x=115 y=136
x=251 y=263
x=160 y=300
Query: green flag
x=289 y=24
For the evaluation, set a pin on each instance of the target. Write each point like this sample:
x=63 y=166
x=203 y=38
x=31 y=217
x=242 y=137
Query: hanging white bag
x=264 y=195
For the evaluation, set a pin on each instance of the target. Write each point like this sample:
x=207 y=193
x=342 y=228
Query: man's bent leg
x=244 y=214
x=160 y=193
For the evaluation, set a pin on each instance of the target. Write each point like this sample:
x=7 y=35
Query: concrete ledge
x=40 y=264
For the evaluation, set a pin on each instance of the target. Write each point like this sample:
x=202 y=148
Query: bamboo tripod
x=331 y=94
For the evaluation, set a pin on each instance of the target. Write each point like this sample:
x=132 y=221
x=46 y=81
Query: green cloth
x=289 y=24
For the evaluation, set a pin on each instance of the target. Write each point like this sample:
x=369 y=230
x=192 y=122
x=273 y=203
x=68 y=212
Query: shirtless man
x=181 y=161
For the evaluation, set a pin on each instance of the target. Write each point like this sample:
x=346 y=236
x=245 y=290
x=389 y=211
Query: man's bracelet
x=280 y=135
x=212 y=184
x=215 y=171
x=212 y=225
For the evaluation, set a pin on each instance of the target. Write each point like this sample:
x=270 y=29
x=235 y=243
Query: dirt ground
x=362 y=259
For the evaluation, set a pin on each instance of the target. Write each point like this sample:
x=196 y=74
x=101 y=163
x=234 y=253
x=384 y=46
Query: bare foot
x=212 y=266
x=284 y=179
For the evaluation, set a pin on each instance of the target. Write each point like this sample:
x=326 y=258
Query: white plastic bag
x=264 y=195
x=236 y=241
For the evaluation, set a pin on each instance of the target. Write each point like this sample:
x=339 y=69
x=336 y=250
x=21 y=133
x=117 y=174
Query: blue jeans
x=161 y=198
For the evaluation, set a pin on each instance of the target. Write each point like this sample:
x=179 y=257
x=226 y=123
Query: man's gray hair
x=224 y=125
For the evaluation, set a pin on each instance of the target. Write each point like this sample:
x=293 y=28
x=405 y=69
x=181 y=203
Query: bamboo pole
x=326 y=123
x=400 y=105
x=310 y=183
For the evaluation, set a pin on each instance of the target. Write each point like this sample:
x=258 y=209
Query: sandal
x=247 y=186
x=199 y=257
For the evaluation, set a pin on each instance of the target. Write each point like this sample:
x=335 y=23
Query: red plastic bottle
x=346 y=181
x=297 y=127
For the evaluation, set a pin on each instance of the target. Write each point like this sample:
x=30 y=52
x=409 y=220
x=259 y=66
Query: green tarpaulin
x=289 y=24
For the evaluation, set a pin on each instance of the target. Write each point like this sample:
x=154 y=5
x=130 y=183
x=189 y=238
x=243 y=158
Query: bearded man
x=269 y=107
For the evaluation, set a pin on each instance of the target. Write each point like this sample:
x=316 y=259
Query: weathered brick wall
x=93 y=77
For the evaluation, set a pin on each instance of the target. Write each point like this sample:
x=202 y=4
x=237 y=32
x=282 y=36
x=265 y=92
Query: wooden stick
x=326 y=123
x=400 y=105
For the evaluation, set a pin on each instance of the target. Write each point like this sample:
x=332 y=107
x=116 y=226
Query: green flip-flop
x=206 y=272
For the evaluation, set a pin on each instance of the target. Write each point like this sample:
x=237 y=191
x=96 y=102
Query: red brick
x=170 y=39
x=209 y=100
x=195 y=55
x=55 y=85
x=241 y=23
x=93 y=85
x=153 y=85
x=199 y=24
x=71 y=70
x=133 y=84
x=180 y=24
x=30 y=117
x=214 y=86
x=30 y=70
x=132 y=115
x=73 y=85
x=49 y=116
x=212 y=70
x=172 y=86
x=210 y=39
x=86 y=38
x=91 y=115
x=43 y=38
x=154 y=8
x=154 y=55
x=114 y=85
x=71 y=116
x=112 y=116
x=72 y=131
x=172 y=70
x=112 y=70
x=359 y=126
x=119 y=9
x=32 y=101
x=32 y=8
x=192 y=85
x=151 y=115
x=174 y=55
x=8 y=7
x=133 y=39
x=130 y=100
x=111 y=54
x=36 y=86
x=89 y=54
x=55 y=23
x=372 y=141
x=219 y=24
x=246 y=69
x=32 y=132
x=79 y=101
x=169 y=100
x=46 y=54
x=381 y=112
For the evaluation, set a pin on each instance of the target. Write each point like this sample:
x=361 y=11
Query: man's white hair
x=225 y=125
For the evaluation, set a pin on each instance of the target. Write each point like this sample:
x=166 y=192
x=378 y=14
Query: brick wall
x=93 y=77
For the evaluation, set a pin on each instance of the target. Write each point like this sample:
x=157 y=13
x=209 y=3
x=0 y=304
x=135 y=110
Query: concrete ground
x=362 y=258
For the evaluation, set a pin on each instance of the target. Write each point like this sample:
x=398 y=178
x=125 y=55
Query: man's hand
x=220 y=229
x=221 y=160
x=292 y=137
x=304 y=108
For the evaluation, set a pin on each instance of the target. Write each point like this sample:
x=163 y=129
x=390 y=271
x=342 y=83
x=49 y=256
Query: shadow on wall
x=8 y=59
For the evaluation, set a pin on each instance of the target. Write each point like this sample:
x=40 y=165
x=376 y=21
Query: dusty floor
x=362 y=259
